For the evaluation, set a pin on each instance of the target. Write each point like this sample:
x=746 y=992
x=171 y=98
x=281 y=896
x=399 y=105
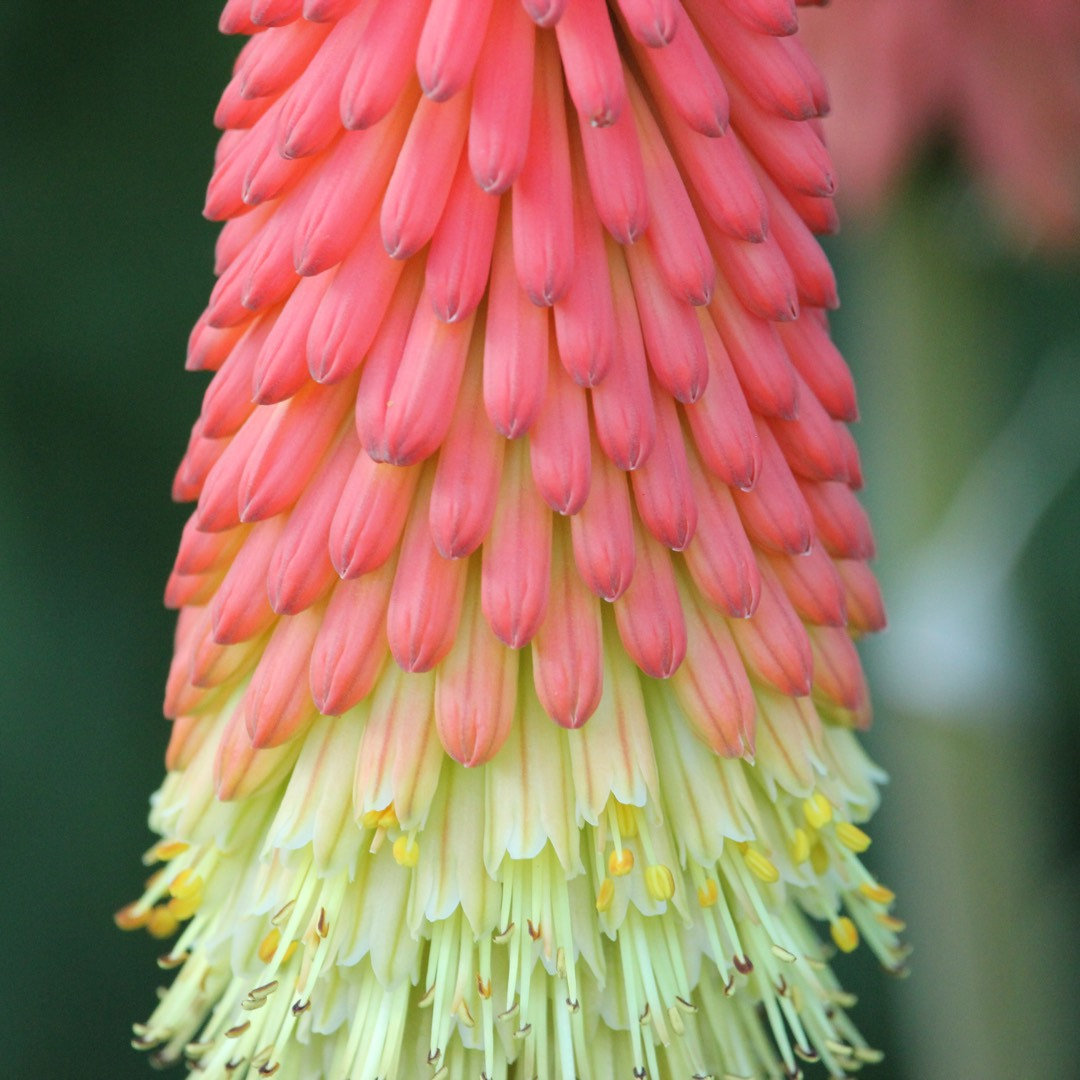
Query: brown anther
x=282 y=913
x=172 y=960
x=645 y=1017
x=509 y=1014
x=743 y=964
x=265 y=990
x=573 y=1005
x=464 y=1015
x=250 y=1004
x=729 y=987
x=300 y=1007
x=322 y=927
x=808 y=1054
x=145 y=1043
x=534 y=930
x=501 y=937
x=238 y=1030
x=782 y=988
x=523 y=1032
x=687 y=1006
x=483 y=988
x=197 y=1049
x=639 y=1072
x=234 y=1064
x=269 y=1070
x=262 y=1057
x=428 y=997
x=434 y=1056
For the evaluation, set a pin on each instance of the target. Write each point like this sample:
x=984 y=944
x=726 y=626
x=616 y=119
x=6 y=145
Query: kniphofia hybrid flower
x=514 y=687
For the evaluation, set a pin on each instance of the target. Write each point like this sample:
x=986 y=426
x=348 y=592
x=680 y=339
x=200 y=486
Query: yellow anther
x=844 y=934
x=761 y=867
x=183 y=907
x=186 y=883
x=878 y=893
x=406 y=851
x=132 y=918
x=708 y=893
x=852 y=837
x=269 y=945
x=620 y=863
x=162 y=922
x=385 y=818
x=819 y=858
x=891 y=922
x=605 y=895
x=817 y=810
x=627 y=819
x=659 y=882
x=800 y=846
x=742 y=846
x=167 y=850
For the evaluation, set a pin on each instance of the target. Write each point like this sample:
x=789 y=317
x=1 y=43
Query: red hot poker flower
x=514 y=682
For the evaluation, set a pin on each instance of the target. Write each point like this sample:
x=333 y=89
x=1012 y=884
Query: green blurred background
x=968 y=357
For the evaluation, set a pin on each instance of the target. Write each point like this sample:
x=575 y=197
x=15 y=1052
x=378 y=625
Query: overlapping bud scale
x=514 y=681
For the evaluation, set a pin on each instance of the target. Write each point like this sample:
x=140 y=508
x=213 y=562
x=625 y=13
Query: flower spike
x=515 y=686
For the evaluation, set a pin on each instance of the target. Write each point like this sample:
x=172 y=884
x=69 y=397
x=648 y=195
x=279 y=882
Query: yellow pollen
x=709 y=893
x=761 y=867
x=162 y=922
x=406 y=851
x=605 y=895
x=852 y=837
x=819 y=858
x=627 y=819
x=388 y=818
x=844 y=934
x=659 y=882
x=878 y=893
x=817 y=810
x=620 y=863
x=800 y=846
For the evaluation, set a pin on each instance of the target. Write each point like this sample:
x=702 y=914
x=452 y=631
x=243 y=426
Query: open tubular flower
x=514 y=687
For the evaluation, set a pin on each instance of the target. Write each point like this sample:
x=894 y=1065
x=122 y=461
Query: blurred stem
x=968 y=829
